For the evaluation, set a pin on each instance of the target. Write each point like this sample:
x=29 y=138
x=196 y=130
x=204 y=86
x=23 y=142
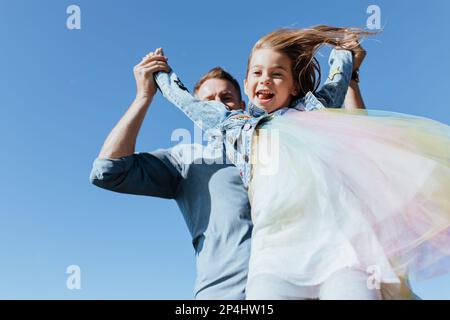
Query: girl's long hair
x=301 y=45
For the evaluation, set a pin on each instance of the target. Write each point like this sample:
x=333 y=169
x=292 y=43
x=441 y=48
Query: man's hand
x=358 y=56
x=353 y=99
x=359 y=53
x=121 y=141
x=143 y=73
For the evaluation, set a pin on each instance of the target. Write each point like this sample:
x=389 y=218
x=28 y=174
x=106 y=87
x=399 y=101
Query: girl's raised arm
x=333 y=91
x=205 y=114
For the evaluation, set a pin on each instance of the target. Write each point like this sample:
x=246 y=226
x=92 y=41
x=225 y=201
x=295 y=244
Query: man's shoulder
x=200 y=172
x=195 y=153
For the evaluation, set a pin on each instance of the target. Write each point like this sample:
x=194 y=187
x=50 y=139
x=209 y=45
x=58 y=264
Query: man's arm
x=117 y=168
x=353 y=98
x=121 y=141
x=155 y=174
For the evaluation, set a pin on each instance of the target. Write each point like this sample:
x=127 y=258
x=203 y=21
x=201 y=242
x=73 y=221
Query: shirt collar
x=257 y=112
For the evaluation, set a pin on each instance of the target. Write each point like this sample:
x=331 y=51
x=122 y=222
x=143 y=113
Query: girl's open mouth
x=265 y=96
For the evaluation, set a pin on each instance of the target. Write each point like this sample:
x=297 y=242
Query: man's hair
x=218 y=73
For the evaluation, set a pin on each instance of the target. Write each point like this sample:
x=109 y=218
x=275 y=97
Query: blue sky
x=62 y=91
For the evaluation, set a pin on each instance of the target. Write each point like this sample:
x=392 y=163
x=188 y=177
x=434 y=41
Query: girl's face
x=269 y=83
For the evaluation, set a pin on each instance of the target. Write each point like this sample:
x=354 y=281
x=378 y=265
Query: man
x=211 y=197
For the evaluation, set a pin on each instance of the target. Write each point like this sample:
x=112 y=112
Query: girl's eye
x=256 y=73
x=276 y=74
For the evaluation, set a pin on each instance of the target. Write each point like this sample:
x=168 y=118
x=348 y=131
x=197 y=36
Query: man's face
x=222 y=91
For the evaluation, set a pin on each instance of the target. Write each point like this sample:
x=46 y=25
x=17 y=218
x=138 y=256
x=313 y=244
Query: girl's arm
x=205 y=114
x=333 y=91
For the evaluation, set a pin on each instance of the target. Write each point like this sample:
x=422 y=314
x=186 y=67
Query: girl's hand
x=143 y=73
x=359 y=53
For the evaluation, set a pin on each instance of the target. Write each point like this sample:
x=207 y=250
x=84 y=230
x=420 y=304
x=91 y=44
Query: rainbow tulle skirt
x=365 y=189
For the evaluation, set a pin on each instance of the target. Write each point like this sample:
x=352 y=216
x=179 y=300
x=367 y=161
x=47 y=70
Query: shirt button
x=247 y=126
x=245 y=158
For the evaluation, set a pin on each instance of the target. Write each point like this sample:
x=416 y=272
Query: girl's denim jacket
x=235 y=128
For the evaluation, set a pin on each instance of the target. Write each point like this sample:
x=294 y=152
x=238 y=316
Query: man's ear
x=245 y=87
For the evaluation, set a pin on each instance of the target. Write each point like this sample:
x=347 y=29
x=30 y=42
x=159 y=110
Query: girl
x=345 y=203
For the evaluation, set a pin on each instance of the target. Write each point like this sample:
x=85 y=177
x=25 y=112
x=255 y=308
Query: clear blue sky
x=61 y=91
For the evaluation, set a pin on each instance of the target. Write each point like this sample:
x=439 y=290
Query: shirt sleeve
x=156 y=174
x=205 y=114
x=333 y=91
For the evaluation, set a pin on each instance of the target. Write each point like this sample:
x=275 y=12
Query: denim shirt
x=235 y=128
